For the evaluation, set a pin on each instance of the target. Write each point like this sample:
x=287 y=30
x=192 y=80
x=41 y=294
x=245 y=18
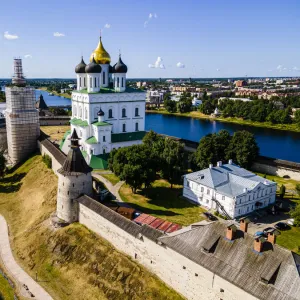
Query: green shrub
x=47 y=160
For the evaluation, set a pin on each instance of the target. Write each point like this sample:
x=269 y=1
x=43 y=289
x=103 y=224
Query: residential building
x=229 y=189
x=196 y=102
x=240 y=83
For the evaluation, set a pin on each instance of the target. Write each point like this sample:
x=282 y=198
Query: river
x=273 y=143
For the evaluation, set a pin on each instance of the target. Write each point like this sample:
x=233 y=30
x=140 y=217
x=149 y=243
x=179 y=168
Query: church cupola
x=81 y=76
x=100 y=55
x=100 y=115
x=93 y=71
x=119 y=71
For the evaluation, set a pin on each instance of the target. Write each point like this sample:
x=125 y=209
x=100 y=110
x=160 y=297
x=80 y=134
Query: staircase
x=221 y=207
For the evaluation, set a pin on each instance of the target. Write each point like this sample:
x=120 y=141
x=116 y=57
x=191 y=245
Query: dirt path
x=18 y=274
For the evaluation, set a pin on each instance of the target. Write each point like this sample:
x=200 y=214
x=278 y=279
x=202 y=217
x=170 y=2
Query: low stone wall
x=3 y=139
x=48 y=148
x=182 y=274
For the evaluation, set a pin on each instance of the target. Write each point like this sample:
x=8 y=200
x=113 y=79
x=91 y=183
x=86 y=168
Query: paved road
x=18 y=274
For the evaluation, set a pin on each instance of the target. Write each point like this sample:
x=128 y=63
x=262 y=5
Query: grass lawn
x=163 y=202
x=290 y=239
x=112 y=178
x=6 y=291
x=70 y=254
x=55 y=132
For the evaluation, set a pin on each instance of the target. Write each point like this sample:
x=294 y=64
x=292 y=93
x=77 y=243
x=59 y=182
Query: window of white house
x=104 y=138
x=110 y=114
x=124 y=127
x=136 y=126
x=208 y=191
x=123 y=113
x=136 y=111
x=202 y=189
x=187 y=183
x=207 y=201
x=223 y=197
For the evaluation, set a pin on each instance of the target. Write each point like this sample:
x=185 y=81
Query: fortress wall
x=3 y=139
x=275 y=170
x=182 y=274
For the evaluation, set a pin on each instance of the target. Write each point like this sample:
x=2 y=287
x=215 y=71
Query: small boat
x=50 y=94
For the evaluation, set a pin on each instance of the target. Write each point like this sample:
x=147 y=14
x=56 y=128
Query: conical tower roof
x=41 y=104
x=75 y=163
x=100 y=54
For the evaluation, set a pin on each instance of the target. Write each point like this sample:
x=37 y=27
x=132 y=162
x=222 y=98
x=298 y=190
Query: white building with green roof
x=106 y=114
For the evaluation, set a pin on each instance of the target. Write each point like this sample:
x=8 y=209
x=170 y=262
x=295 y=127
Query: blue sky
x=213 y=38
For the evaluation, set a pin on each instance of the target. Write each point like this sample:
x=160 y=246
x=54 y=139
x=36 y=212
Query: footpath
x=32 y=289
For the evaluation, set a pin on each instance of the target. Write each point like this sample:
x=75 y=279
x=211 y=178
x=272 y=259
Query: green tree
x=170 y=105
x=207 y=107
x=298 y=188
x=173 y=160
x=2 y=164
x=295 y=214
x=204 y=154
x=297 y=117
x=282 y=191
x=243 y=148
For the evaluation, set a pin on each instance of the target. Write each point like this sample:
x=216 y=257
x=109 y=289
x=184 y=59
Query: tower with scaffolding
x=22 y=120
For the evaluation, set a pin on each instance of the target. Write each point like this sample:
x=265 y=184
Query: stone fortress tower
x=22 y=120
x=74 y=179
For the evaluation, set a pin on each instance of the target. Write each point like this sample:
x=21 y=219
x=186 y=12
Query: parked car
x=282 y=226
x=259 y=234
x=269 y=229
x=290 y=222
x=210 y=216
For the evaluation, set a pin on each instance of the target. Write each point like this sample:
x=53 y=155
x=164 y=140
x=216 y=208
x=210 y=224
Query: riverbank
x=65 y=95
x=199 y=115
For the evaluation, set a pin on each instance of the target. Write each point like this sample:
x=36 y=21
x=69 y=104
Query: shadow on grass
x=166 y=197
x=11 y=184
x=10 y=188
x=13 y=179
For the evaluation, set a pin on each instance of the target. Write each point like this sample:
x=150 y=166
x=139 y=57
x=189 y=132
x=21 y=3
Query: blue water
x=273 y=143
x=53 y=100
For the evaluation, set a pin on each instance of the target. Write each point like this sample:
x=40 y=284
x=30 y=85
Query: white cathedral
x=105 y=113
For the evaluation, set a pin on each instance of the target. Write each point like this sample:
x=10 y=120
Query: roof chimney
x=230 y=161
x=272 y=237
x=230 y=232
x=258 y=244
x=244 y=224
x=210 y=166
x=219 y=163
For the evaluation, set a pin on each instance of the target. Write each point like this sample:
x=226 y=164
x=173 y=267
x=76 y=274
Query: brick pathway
x=17 y=273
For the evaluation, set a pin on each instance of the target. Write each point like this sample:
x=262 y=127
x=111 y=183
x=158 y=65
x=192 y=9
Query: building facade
x=22 y=119
x=229 y=189
x=106 y=114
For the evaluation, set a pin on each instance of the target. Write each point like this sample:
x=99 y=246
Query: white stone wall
x=55 y=164
x=182 y=274
x=69 y=188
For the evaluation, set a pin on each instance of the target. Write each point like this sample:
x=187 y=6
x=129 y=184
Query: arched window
x=103 y=78
x=84 y=82
x=136 y=126
x=136 y=111
x=110 y=114
x=85 y=113
x=104 y=151
x=91 y=82
x=123 y=113
x=96 y=109
x=75 y=111
x=80 y=112
x=124 y=127
x=79 y=81
x=122 y=82
x=118 y=82
x=95 y=81
x=99 y=81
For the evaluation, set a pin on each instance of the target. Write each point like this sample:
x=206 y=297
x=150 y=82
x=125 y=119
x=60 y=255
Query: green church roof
x=79 y=122
x=91 y=140
x=101 y=124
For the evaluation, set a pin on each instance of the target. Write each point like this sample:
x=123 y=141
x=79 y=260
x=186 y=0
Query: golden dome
x=100 y=54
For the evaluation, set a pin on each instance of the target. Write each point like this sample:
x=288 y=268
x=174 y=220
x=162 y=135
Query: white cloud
x=158 y=64
x=150 y=17
x=296 y=69
x=28 y=56
x=10 y=36
x=58 y=34
x=107 y=26
x=180 y=65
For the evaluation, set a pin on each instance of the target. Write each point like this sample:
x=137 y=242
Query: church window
x=124 y=127
x=104 y=138
x=91 y=82
x=95 y=81
x=103 y=78
x=118 y=82
x=123 y=113
x=91 y=151
x=79 y=81
x=136 y=126
x=84 y=82
x=86 y=113
x=104 y=151
x=110 y=115
x=122 y=81
x=136 y=111
x=202 y=189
